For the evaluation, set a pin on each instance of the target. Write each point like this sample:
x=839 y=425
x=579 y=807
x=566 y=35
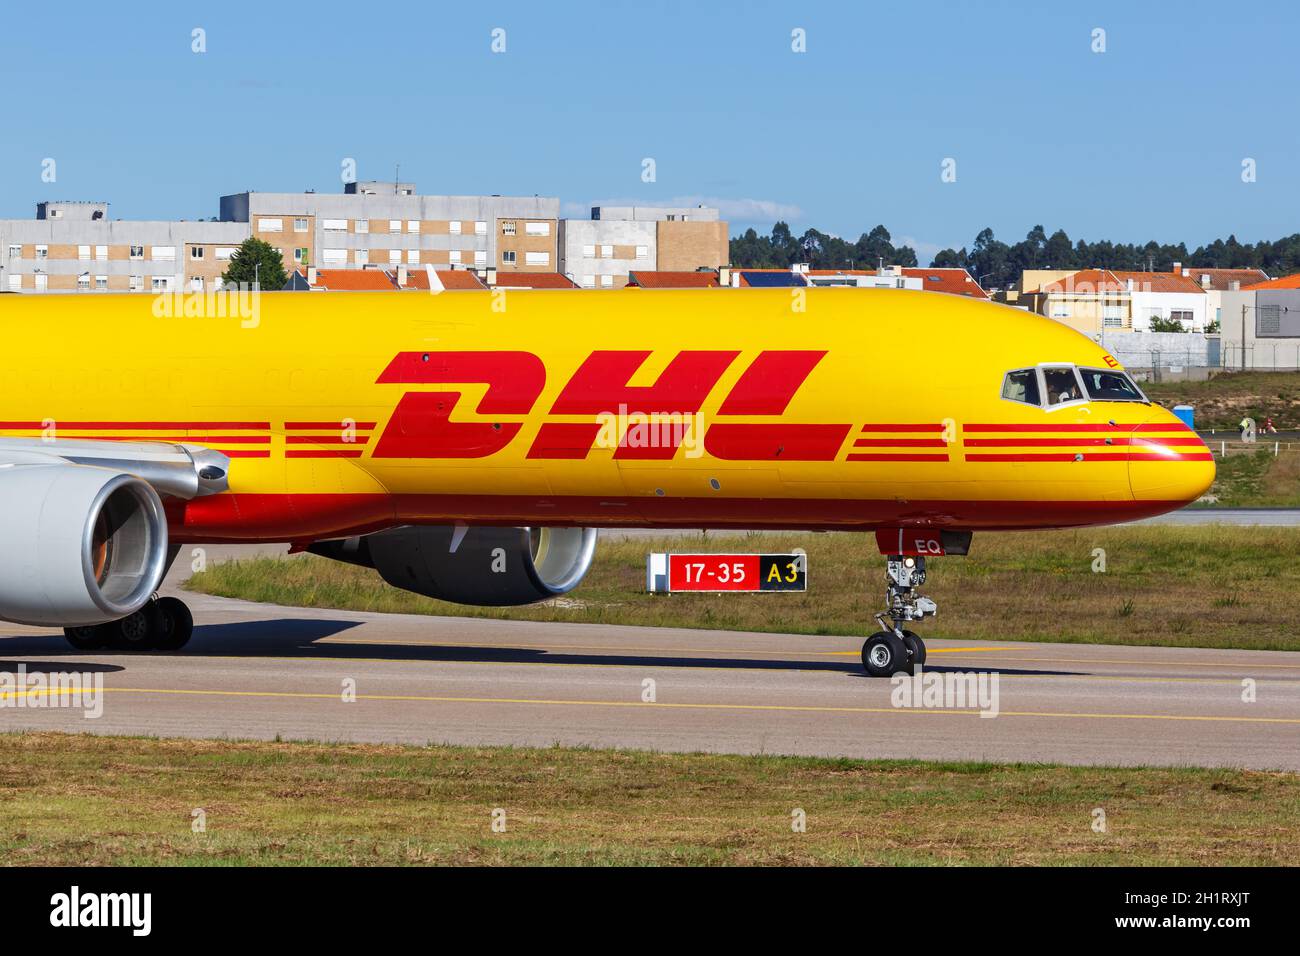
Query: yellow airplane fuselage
x=822 y=409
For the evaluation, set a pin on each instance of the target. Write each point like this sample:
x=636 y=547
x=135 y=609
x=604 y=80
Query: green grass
x=1213 y=586
x=84 y=800
x=1257 y=479
x=1222 y=401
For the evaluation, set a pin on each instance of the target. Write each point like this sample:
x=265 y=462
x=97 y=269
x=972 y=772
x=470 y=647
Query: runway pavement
x=261 y=671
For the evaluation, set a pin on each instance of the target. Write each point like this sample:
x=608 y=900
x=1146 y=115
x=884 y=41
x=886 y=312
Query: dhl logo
x=421 y=425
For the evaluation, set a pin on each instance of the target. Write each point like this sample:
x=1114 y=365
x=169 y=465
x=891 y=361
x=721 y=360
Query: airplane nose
x=1168 y=462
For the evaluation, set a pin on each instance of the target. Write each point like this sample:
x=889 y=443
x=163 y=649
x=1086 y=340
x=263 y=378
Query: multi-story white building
x=600 y=252
x=75 y=247
x=384 y=225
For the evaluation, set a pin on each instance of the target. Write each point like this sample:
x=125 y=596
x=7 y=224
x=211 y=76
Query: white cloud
x=733 y=210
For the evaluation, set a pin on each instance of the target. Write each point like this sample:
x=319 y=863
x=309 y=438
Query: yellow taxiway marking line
x=805 y=708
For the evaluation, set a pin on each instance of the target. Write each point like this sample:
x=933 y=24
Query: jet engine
x=79 y=544
x=485 y=566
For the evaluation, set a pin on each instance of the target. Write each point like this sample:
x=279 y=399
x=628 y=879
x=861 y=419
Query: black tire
x=178 y=624
x=884 y=655
x=138 y=631
x=915 y=648
x=87 y=637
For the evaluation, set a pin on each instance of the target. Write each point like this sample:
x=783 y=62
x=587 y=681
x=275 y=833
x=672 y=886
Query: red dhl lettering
x=421 y=425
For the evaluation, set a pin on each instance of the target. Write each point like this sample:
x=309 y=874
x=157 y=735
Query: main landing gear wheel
x=139 y=631
x=178 y=624
x=88 y=637
x=163 y=624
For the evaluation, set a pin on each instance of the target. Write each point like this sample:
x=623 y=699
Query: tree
x=257 y=262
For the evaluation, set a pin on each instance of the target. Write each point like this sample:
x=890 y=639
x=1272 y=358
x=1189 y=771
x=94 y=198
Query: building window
x=394 y=225
x=508 y=228
x=480 y=228
x=480 y=257
x=588 y=252
x=196 y=252
x=394 y=257
x=163 y=253
x=300 y=255
x=537 y=228
x=83 y=252
x=101 y=283
x=1179 y=315
x=454 y=227
x=224 y=252
x=160 y=283
x=334 y=225
x=508 y=257
x=136 y=284
x=413 y=257
x=607 y=252
x=83 y=283
x=270 y=225
x=606 y=282
x=15 y=283
x=101 y=252
x=413 y=226
x=643 y=252
x=589 y=282
x=137 y=252
x=363 y=225
x=454 y=257
x=334 y=257
x=42 y=283
x=42 y=252
x=196 y=283
x=360 y=257
x=537 y=258
x=15 y=251
x=1113 y=316
x=1268 y=320
x=300 y=224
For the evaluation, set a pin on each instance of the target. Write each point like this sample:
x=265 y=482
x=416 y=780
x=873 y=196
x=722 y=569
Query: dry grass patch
x=77 y=799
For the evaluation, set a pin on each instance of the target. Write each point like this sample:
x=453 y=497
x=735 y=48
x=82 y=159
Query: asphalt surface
x=262 y=671
x=1266 y=517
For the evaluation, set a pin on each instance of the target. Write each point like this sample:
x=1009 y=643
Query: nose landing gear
x=893 y=649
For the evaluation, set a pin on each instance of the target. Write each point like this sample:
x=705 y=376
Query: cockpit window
x=1062 y=385
x=1022 y=386
x=1108 y=386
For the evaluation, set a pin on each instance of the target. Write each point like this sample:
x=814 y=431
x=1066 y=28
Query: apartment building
x=601 y=252
x=75 y=247
x=1096 y=300
x=384 y=225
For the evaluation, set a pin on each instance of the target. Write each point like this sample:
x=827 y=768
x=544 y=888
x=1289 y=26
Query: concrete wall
x=1160 y=356
x=1262 y=351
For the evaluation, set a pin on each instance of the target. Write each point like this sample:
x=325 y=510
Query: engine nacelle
x=488 y=567
x=78 y=544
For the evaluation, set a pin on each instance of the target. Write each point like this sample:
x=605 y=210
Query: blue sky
x=1143 y=141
